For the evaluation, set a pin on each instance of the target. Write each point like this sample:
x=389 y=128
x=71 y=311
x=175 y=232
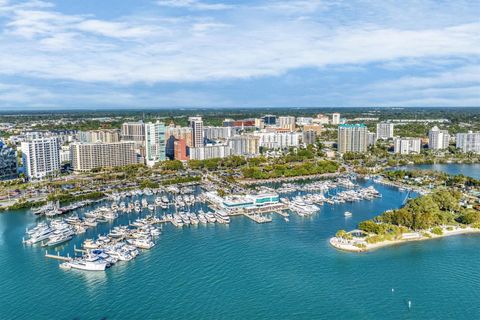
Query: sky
x=112 y=54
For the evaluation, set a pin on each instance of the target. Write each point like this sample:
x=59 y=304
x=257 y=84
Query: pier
x=57 y=256
x=258 y=218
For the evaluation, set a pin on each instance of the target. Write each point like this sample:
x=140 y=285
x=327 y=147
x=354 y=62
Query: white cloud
x=266 y=39
x=194 y=5
x=456 y=77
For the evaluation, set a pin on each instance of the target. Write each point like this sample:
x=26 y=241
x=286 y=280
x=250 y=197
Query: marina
x=199 y=259
x=180 y=207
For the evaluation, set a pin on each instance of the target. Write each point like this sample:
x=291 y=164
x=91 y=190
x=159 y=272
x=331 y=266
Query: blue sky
x=256 y=53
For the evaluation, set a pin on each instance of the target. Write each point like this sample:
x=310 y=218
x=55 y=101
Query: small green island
x=442 y=212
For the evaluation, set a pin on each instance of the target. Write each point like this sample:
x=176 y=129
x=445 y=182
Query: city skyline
x=224 y=54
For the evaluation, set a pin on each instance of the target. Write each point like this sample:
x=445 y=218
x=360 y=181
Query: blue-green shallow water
x=472 y=170
x=247 y=271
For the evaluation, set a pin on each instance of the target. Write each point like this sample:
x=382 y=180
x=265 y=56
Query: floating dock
x=57 y=256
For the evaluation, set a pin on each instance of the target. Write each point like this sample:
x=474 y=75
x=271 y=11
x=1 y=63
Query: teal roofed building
x=352 y=138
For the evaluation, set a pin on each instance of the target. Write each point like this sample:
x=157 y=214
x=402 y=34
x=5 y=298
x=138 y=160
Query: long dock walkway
x=57 y=256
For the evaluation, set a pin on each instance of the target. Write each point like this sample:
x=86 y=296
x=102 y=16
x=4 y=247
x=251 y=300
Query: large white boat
x=202 y=218
x=90 y=222
x=40 y=235
x=210 y=217
x=110 y=215
x=89 y=263
x=90 y=244
x=59 y=239
x=222 y=217
x=142 y=243
x=177 y=221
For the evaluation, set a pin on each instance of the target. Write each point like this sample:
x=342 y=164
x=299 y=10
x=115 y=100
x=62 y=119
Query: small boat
x=347 y=214
x=90 y=244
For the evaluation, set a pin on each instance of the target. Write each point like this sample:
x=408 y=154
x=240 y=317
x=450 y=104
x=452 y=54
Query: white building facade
x=154 y=143
x=196 y=123
x=468 y=142
x=41 y=157
x=88 y=156
x=286 y=122
x=384 y=130
x=210 y=152
x=352 y=138
x=438 y=139
x=407 y=145
x=244 y=145
x=278 y=140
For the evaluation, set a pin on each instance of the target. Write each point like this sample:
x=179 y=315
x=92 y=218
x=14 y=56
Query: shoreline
x=346 y=245
x=295 y=178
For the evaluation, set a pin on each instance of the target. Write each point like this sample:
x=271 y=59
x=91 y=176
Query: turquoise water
x=472 y=170
x=280 y=270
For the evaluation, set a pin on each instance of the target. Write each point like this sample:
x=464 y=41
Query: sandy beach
x=349 y=245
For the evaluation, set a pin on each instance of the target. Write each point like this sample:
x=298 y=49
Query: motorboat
x=89 y=263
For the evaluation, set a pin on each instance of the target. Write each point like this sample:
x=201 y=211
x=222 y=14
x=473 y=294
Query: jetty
x=57 y=256
x=259 y=218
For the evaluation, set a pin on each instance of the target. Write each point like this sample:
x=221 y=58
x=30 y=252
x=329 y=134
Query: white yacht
x=90 y=244
x=110 y=215
x=89 y=263
x=90 y=222
x=57 y=239
x=210 y=217
x=142 y=243
x=202 y=218
x=222 y=217
x=40 y=235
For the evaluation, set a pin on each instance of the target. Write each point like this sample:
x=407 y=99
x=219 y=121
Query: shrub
x=437 y=230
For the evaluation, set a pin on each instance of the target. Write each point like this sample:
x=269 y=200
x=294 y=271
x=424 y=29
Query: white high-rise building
x=41 y=157
x=246 y=145
x=215 y=133
x=468 y=142
x=384 y=130
x=309 y=137
x=210 y=152
x=109 y=135
x=407 y=145
x=278 y=140
x=88 y=156
x=154 y=143
x=335 y=118
x=133 y=131
x=352 y=138
x=286 y=122
x=196 y=123
x=65 y=156
x=371 y=138
x=321 y=119
x=438 y=139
